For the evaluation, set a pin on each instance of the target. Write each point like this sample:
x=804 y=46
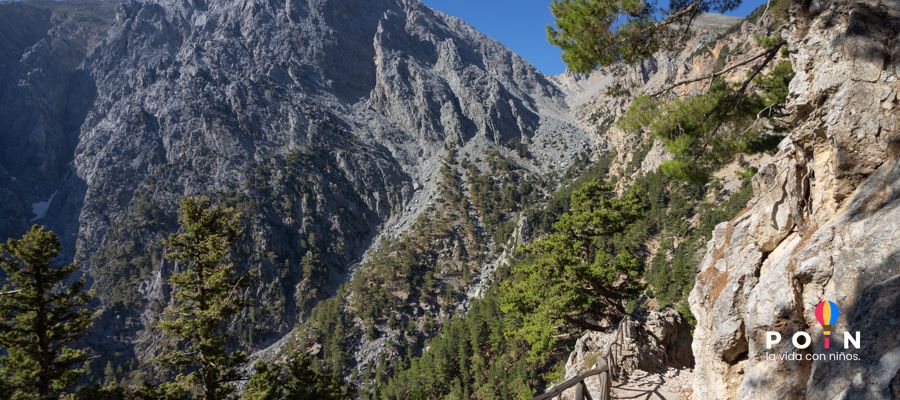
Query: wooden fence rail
x=607 y=367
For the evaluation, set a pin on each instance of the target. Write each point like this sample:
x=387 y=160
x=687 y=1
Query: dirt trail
x=674 y=384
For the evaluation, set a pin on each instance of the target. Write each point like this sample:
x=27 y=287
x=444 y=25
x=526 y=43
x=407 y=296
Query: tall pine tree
x=580 y=274
x=205 y=291
x=42 y=312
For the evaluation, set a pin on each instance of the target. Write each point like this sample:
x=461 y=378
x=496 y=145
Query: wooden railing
x=607 y=367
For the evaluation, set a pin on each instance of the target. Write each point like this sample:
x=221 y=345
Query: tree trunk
x=40 y=330
x=210 y=387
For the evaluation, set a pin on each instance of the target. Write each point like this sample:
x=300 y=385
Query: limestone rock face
x=824 y=224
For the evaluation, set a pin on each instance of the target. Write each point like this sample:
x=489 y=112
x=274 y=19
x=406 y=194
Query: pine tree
x=262 y=384
x=705 y=131
x=296 y=379
x=43 y=312
x=205 y=293
x=577 y=276
x=305 y=382
x=594 y=33
x=702 y=131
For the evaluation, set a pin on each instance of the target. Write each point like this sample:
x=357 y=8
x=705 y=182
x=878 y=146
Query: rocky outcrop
x=823 y=225
x=660 y=346
x=599 y=99
x=657 y=341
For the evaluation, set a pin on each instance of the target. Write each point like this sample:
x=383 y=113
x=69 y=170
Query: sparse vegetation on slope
x=410 y=287
x=677 y=215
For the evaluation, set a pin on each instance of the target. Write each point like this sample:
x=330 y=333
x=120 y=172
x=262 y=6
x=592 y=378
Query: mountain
x=44 y=99
x=389 y=160
x=325 y=121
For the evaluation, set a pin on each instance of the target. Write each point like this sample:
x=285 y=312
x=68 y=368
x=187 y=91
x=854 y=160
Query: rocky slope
x=657 y=359
x=823 y=225
x=324 y=121
x=377 y=334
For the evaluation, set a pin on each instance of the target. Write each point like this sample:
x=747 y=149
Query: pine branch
x=769 y=54
x=691 y=8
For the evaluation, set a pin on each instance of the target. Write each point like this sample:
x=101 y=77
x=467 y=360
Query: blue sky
x=521 y=25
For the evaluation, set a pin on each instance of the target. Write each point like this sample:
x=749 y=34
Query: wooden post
x=608 y=388
x=579 y=391
x=613 y=368
x=618 y=359
x=607 y=358
x=604 y=393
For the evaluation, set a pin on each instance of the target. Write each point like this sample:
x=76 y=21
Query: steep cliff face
x=44 y=97
x=823 y=225
x=325 y=121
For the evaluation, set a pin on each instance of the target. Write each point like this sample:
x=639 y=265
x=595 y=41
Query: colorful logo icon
x=827 y=313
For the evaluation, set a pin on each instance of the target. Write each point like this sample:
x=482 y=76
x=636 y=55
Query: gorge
x=390 y=162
